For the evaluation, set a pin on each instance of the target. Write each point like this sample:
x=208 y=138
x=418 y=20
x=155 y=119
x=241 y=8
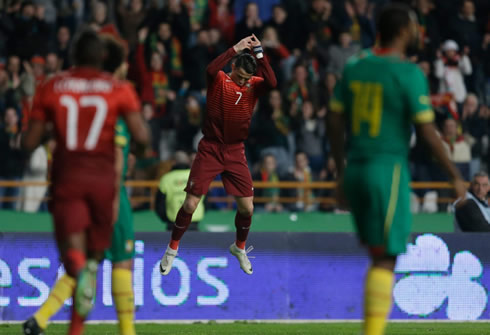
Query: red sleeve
x=265 y=71
x=129 y=102
x=39 y=111
x=218 y=63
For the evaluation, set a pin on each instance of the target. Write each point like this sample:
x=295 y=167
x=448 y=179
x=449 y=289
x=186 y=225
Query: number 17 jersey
x=83 y=106
x=381 y=96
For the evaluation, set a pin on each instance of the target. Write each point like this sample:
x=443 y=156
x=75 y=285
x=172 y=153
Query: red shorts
x=84 y=206
x=226 y=159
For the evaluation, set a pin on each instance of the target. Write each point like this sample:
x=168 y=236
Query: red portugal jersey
x=229 y=107
x=83 y=105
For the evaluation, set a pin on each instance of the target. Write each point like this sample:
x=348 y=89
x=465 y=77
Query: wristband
x=258 y=51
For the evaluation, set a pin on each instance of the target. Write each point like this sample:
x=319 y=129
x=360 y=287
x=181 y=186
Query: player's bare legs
x=182 y=222
x=243 y=221
x=377 y=296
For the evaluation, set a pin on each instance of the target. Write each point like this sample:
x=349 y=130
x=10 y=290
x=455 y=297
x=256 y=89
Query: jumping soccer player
x=231 y=99
x=379 y=96
x=83 y=104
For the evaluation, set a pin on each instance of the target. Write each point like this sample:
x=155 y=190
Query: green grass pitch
x=269 y=328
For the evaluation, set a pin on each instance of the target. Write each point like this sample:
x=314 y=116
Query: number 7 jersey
x=83 y=106
x=381 y=96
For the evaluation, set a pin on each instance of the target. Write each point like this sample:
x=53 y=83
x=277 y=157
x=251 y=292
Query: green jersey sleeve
x=417 y=96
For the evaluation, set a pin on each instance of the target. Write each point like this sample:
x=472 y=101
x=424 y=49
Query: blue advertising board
x=296 y=276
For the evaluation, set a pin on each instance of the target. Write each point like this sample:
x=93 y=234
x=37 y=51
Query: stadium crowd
x=308 y=42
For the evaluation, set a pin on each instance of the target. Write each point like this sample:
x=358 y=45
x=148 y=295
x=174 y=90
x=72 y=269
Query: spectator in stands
x=154 y=82
x=310 y=135
x=270 y=132
x=53 y=64
x=170 y=47
x=63 y=38
x=217 y=44
x=7 y=93
x=474 y=128
x=457 y=147
x=486 y=63
x=288 y=33
x=450 y=67
x=197 y=11
x=196 y=60
x=36 y=171
x=429 y=37
x=222 y=18
x=279 y=56
x=464 y=27
x=170 y=194
x=426 y=68
x=299 y=90
x=328 y=173
x=31 y=32
x=130 y=19
x=189 y=124
x=359 y=21
x=268 y=173
x=175 y=13
x=13 y=71
x=339 y=53
x=11 y=168
x=251 y=22
x=321 y=24
x=102 y=16
x=472 y=214
x=302 y=172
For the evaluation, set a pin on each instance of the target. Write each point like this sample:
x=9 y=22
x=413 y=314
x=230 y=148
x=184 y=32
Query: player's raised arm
x=220 y=62
x=264 y=69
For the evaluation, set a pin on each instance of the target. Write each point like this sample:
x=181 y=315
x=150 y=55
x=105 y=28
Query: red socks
x=182 y=222
x=76 y=324
x=74 y=262
x=242 y=224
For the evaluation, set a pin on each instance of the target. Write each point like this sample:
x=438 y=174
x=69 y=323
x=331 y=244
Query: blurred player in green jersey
x=378 y=99
x=121 y=251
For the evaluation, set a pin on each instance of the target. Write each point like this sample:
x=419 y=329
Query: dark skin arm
x=138 y=128
x=33 y=136
x=336 y=133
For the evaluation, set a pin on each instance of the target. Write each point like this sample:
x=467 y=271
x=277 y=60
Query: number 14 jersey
x=83 y=105
x=381 y=95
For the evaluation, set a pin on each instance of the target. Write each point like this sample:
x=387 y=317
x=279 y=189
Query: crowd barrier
x=147 y=191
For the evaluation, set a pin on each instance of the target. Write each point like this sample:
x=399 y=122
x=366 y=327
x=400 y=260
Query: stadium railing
x=147 y=191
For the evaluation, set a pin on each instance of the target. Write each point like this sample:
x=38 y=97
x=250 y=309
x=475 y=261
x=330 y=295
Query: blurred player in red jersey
x=231 y=99
x=83 y=105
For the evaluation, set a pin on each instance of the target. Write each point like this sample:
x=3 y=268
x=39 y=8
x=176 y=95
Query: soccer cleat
x=242 y=257
x=85 y=290
x=31 y=327
x=167 y=261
